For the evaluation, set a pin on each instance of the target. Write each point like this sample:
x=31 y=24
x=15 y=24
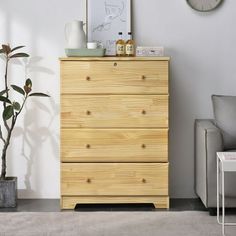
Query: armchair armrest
x=208 y=141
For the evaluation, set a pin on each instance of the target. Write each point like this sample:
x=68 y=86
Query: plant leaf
x=27 y=89
x=0 y=131
x=16 y=48
x=3 y=92
x=28 y=83
x=4 y=99
x=38 y=95
x=20 y=54
x=1 y=51
x=8 y=112
x=18 y=89
x=6 y=48
x=16 y=106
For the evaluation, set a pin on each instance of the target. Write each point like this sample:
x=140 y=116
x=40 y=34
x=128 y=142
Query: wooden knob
x=88 y=146
x=88 y=113
x=87 y=78
x=88 y=180
x=143 y=77
x=143 y=146
x=115 y=64
x=144 y=180
x=143 y=112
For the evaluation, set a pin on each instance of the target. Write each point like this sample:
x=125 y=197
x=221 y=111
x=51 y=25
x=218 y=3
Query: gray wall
x=202 y=47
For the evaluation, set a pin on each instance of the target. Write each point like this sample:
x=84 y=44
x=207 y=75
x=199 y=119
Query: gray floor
x=53 y=205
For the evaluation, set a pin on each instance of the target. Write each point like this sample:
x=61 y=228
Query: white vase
x=75 y=35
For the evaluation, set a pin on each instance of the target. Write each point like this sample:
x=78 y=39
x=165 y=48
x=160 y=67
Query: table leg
x=223 y=200
x=218 y=191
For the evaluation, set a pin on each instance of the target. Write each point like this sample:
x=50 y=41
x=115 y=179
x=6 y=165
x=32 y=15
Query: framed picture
x=105 y=19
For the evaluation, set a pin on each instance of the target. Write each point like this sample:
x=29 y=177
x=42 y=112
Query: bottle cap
x=120 y=33
x=129 y=33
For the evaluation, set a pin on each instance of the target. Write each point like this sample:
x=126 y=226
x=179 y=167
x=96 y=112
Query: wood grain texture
x=118 y=179
x=109 y=77
x=114 y=145
x=114 y=58
x=68 y=202
x=98 y=111
x=114 y=131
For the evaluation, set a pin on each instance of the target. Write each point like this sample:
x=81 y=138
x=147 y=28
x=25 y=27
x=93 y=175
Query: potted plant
x=10 y=113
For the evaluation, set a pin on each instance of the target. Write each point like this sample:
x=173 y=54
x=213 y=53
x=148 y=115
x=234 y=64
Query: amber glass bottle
x=130 y=46
x=120 y=46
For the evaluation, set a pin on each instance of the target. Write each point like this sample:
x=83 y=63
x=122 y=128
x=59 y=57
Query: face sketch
x=113 y=12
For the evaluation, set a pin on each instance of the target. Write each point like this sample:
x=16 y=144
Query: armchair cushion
x=224 y=108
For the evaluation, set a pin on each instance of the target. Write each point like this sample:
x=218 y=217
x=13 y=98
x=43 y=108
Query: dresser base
x=68 y=202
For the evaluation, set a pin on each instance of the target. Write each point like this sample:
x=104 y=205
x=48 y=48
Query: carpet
x=187 y=223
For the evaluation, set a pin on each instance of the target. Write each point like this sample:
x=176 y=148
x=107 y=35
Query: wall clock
x=204 y=5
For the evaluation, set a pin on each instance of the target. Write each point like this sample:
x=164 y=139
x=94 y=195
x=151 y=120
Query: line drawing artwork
x=112 y=12
x=105 y=19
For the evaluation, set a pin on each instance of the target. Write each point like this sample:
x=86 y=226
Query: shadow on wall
x=39 y=26
x=33 y=135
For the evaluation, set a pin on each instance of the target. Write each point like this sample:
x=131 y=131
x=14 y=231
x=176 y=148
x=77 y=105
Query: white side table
x=226 y=162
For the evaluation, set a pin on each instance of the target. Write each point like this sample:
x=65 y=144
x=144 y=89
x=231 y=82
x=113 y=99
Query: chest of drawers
x=114 y=131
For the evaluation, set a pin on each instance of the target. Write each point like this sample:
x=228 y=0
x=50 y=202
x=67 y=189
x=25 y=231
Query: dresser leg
x=162 y=204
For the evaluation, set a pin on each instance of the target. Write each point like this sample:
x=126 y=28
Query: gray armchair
x=213 y=136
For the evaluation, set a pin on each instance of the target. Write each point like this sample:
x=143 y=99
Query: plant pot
x=8 y=192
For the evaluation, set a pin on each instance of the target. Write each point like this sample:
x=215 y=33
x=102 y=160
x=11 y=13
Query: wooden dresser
x=114 y=131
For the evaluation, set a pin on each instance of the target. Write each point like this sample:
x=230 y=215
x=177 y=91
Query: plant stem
x=3 y=172
x=7 y=94
x=4 y=151
x=7 y=141
x=6 y=72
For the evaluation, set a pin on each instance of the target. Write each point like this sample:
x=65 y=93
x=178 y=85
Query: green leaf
x=21 y=54
x=16 y=106
x=4 y=99
x=1 y=51
x=3 y=92
x=28 y=83
x=38 y=95
x=18 y=89
x=28 y=86
x=6 y=48
x=16 y=48
x=8 y=112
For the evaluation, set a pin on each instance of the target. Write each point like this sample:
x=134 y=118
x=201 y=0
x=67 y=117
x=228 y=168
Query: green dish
x=85 y=52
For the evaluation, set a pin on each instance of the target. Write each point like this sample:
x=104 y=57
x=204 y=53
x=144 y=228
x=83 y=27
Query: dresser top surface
x=114 y=58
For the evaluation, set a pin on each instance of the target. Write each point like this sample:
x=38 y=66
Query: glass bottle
x=120 y=46
x=130 y=46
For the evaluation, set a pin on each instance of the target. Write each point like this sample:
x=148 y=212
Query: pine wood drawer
x=114 y=145
x=97 y=111
x=121 y=179
x=116 y=77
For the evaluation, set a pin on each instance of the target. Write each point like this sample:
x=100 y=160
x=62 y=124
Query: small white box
x=149 y=51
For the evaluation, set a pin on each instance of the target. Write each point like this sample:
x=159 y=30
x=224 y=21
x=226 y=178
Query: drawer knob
x=87 y=78
x=88 y=180
x=88 y=113
x=88 y=146
x=115 y=64
x=143 y=77
x=144 y=180
x=143 y=146
x=144 y=112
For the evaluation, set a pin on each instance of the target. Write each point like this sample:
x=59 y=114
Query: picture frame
x=105 y=19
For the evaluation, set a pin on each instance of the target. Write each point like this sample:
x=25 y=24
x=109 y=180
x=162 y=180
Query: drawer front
x=97 y=111
x=121 y=179
x=116 y=77
x=114 y=145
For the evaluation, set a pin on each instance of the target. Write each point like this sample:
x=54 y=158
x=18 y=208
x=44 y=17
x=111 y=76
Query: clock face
x=204 y=5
